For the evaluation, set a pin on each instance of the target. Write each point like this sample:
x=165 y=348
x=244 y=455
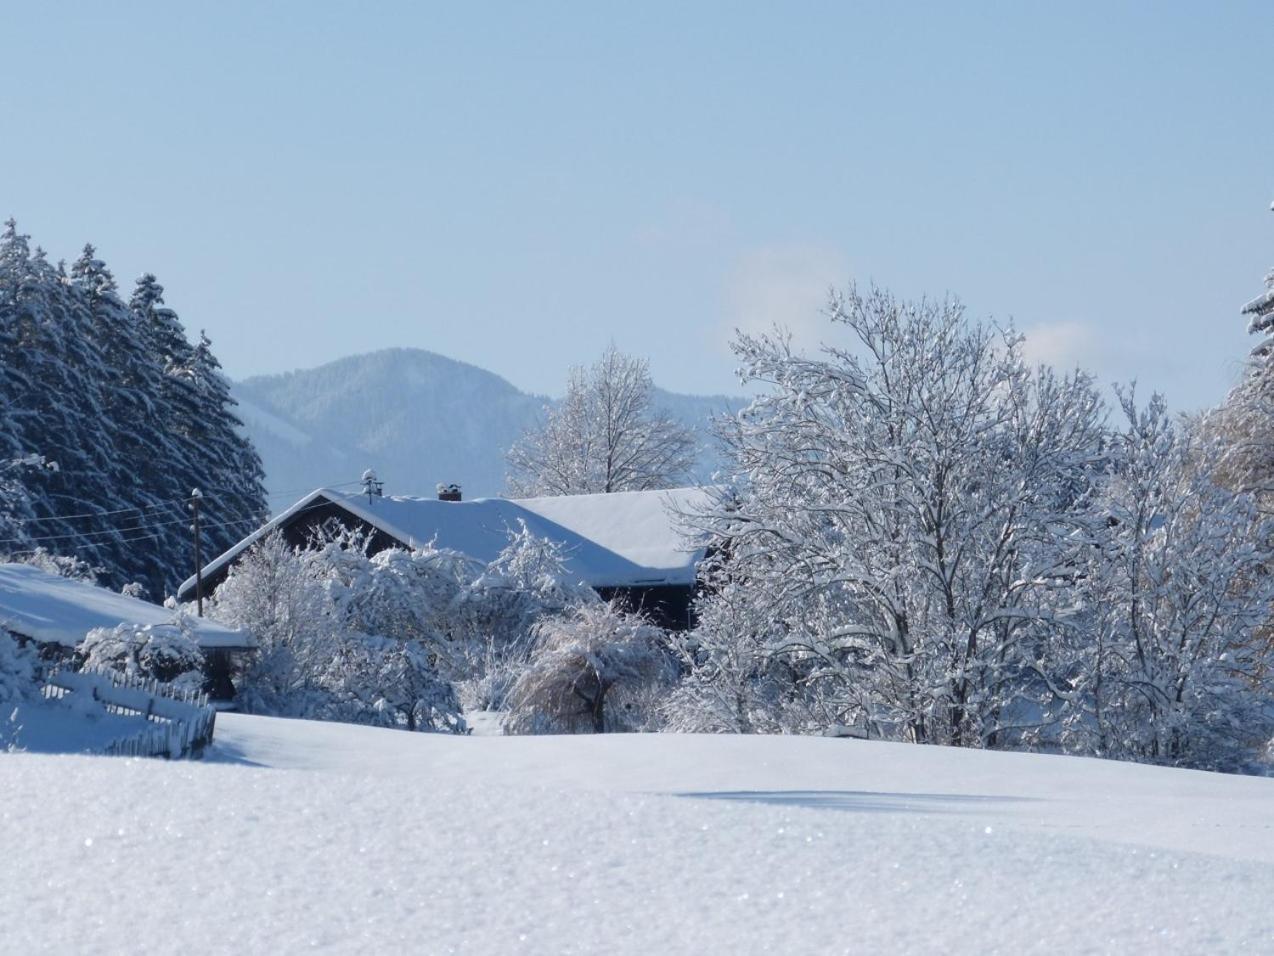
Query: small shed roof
x=625 y=539
x=51 y=609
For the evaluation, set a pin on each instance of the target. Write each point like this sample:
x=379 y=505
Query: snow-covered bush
x=344 y=636
x=527 y=582
x=732 y=683
x=405 y=594
x=394 y=682
x=168 y=654
x=595 y=669
x=271 y=593
x=18 y=671
x=63 y=565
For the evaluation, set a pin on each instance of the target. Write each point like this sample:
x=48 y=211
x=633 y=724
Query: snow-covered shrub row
x=18 y=670
x=395 y=637
x=169 y=654
x=63 y=565
x=309 y=611
x=926 y=539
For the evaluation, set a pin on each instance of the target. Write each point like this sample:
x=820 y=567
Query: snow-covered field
x=297 y=836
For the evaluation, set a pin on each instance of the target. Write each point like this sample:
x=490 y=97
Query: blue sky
x=518 y=185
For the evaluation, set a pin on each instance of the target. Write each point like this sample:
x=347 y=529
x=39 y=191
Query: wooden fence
x=178 y=723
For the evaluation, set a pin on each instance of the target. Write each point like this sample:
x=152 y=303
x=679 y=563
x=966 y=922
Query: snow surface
x=299 y=835
x=75 y=724
x=51 y=609
x=623 y=539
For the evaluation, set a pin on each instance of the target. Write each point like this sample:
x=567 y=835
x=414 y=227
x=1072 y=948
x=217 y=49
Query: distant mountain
x=417 y=418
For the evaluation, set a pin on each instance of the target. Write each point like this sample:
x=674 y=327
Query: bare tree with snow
x=604 y=436
x=1173 y=667
x=527 y=582
x=593 y=670
x=905 y=511
x=274 y=595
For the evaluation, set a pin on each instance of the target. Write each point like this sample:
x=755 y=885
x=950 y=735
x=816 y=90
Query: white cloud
x=1064 y=345
x=786 y=286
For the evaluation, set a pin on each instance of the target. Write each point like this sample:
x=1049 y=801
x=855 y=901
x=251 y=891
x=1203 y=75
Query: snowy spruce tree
x=142 y=473
x=57 y=382
x=125 y=416
x=1245 y=422
x=228 y=469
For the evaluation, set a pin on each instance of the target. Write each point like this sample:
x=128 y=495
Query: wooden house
x=627 y=545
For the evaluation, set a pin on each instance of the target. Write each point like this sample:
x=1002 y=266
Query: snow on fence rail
x=179 y=723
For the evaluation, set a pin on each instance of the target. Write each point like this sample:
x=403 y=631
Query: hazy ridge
x=416 y=417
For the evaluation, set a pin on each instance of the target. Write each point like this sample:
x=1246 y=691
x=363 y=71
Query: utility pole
x=196 y=499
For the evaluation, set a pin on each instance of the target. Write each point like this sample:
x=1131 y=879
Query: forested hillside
x=109 y=419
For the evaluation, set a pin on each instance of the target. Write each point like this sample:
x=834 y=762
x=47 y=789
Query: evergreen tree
x=13 y=259
x=108 y=418
x=143 y=477
x=1245 y=422
x=57 y=379
x=210 y=452
x=15 y=506
x=230 y=473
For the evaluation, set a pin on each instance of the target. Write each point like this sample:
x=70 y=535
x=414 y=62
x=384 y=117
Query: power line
x=237 y=522
x=99 y=514
x=92 y=534
x=139 y=512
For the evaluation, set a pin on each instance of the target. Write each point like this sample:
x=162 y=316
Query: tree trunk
x=598 y=710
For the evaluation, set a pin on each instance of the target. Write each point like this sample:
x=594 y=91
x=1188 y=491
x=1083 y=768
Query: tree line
x=918 y=536
x=927 y=539
x=922 y=537
x=109 y=418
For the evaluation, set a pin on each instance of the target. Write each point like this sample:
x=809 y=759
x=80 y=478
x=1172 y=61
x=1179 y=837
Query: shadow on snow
x=863 y=801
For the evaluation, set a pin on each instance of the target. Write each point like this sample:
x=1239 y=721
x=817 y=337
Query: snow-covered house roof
x=51 y=609
x=626 y=539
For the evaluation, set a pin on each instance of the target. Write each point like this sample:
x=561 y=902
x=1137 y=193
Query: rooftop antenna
x=372 y=486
